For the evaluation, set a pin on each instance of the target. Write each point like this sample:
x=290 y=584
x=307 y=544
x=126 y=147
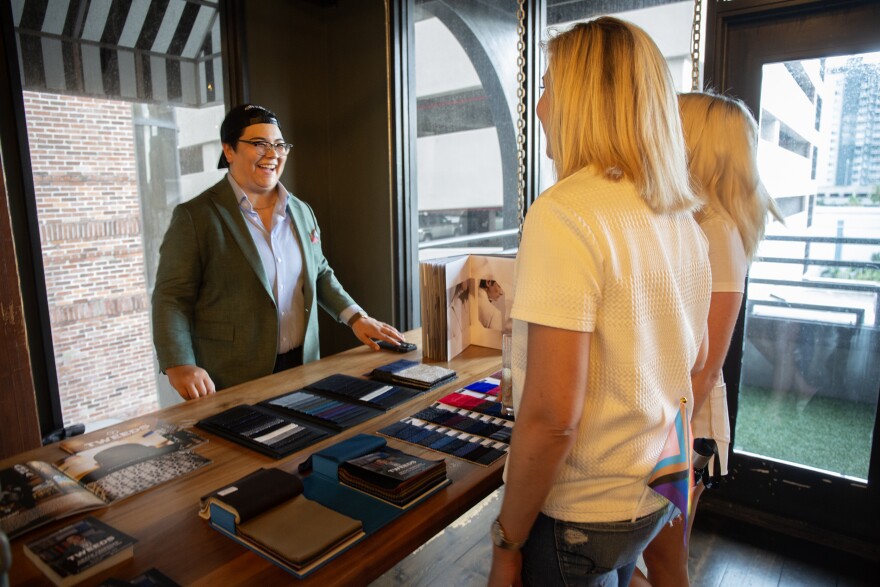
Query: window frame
x=27 y=255
x=21 y=193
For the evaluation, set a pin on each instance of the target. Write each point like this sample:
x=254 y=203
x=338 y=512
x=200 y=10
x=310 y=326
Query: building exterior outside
x=90 y=232
x=852 y=169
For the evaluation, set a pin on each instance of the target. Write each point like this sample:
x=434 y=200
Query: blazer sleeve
x=329 y=292
x=174 y=296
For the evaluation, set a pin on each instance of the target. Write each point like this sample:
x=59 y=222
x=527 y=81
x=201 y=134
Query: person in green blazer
x=242 y=273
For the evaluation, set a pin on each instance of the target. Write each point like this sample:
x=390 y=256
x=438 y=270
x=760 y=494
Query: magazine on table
x=103 y=467
x=80 y=550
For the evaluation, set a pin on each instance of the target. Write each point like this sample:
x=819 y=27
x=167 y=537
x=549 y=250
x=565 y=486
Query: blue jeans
x=571 y=553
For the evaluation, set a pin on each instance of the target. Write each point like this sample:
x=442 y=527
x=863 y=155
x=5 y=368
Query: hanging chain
x=520 y=116
x=695 y=46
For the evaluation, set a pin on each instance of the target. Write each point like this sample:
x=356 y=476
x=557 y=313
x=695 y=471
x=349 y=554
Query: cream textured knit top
x=727 y=255
x=595 y=258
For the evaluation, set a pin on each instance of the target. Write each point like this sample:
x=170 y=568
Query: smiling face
x=256 y=174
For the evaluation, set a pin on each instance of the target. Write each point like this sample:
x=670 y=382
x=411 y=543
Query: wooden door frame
x=36 y=392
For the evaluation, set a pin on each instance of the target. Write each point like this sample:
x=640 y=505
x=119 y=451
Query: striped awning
x=155 y=51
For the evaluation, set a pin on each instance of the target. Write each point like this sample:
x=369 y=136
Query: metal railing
x=468 y=238
x=835 y=285
x=859 y=313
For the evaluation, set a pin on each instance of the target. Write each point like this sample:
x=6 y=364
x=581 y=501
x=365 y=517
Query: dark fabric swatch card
x=456 y=443
x=467 y=421
x=255 y=493
x=370 y=393
x=321 y=408
x=263 y=430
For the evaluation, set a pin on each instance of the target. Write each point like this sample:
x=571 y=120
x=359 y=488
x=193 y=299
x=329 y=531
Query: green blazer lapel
x=305 y=228
x=223 y=198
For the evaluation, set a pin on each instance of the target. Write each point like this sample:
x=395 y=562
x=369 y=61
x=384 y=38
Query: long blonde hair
x=722 y=141
x=613 y=106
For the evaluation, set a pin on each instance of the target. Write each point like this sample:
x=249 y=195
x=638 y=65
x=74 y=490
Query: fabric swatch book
x=465 y=300
x=480 y=396
x=265 y=430
x=376 y=394
x=104 y=467
x=325 y=483
x=467 y=421
x=295 y=420
x=469 y=447
x=467 y=424
x=301 y=523
x=324 y=409
x=392 y=475
x=268 y=513
x=413 y=374
x=78 y=551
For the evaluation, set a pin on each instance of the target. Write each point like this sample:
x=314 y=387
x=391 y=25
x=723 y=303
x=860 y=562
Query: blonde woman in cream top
x=612 y=293
x=721 y=137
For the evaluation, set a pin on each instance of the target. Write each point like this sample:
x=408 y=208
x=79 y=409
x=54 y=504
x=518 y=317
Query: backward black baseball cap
x=238 y=119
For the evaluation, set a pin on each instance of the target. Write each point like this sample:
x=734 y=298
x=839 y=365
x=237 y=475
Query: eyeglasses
x=281 y=149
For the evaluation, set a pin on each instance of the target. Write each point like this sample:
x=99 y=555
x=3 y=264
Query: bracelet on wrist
x=499 y=538
x=357 y=316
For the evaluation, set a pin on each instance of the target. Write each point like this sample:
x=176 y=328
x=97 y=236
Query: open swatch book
x=268 y=512
x=301 y=523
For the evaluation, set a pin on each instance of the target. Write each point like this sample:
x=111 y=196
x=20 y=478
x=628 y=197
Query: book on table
x=301 y=523
x=78 y=551
x=413 y=374
x=465 y=300
x=366 y=479
x=393 y=475
x=268 y=513
x=104 y=467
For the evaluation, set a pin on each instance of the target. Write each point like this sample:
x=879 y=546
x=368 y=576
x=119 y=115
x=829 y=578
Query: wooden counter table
x=175 y=540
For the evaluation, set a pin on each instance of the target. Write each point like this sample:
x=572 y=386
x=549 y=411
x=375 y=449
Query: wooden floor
x=724 y=553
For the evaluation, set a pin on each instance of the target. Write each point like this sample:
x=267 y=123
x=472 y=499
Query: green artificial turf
x=820 y=432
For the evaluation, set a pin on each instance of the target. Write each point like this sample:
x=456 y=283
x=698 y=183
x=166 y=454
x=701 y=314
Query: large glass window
x=465 y=82
x=466 y=155
x=123 y=102
x=810 y=375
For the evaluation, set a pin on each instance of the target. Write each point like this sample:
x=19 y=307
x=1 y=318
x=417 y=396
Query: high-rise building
x=853 y=165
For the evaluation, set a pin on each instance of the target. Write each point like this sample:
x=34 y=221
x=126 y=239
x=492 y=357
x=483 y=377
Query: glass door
x=808 y=388
x=803 y=375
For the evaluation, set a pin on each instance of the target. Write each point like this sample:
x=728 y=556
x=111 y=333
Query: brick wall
x=83 y=157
